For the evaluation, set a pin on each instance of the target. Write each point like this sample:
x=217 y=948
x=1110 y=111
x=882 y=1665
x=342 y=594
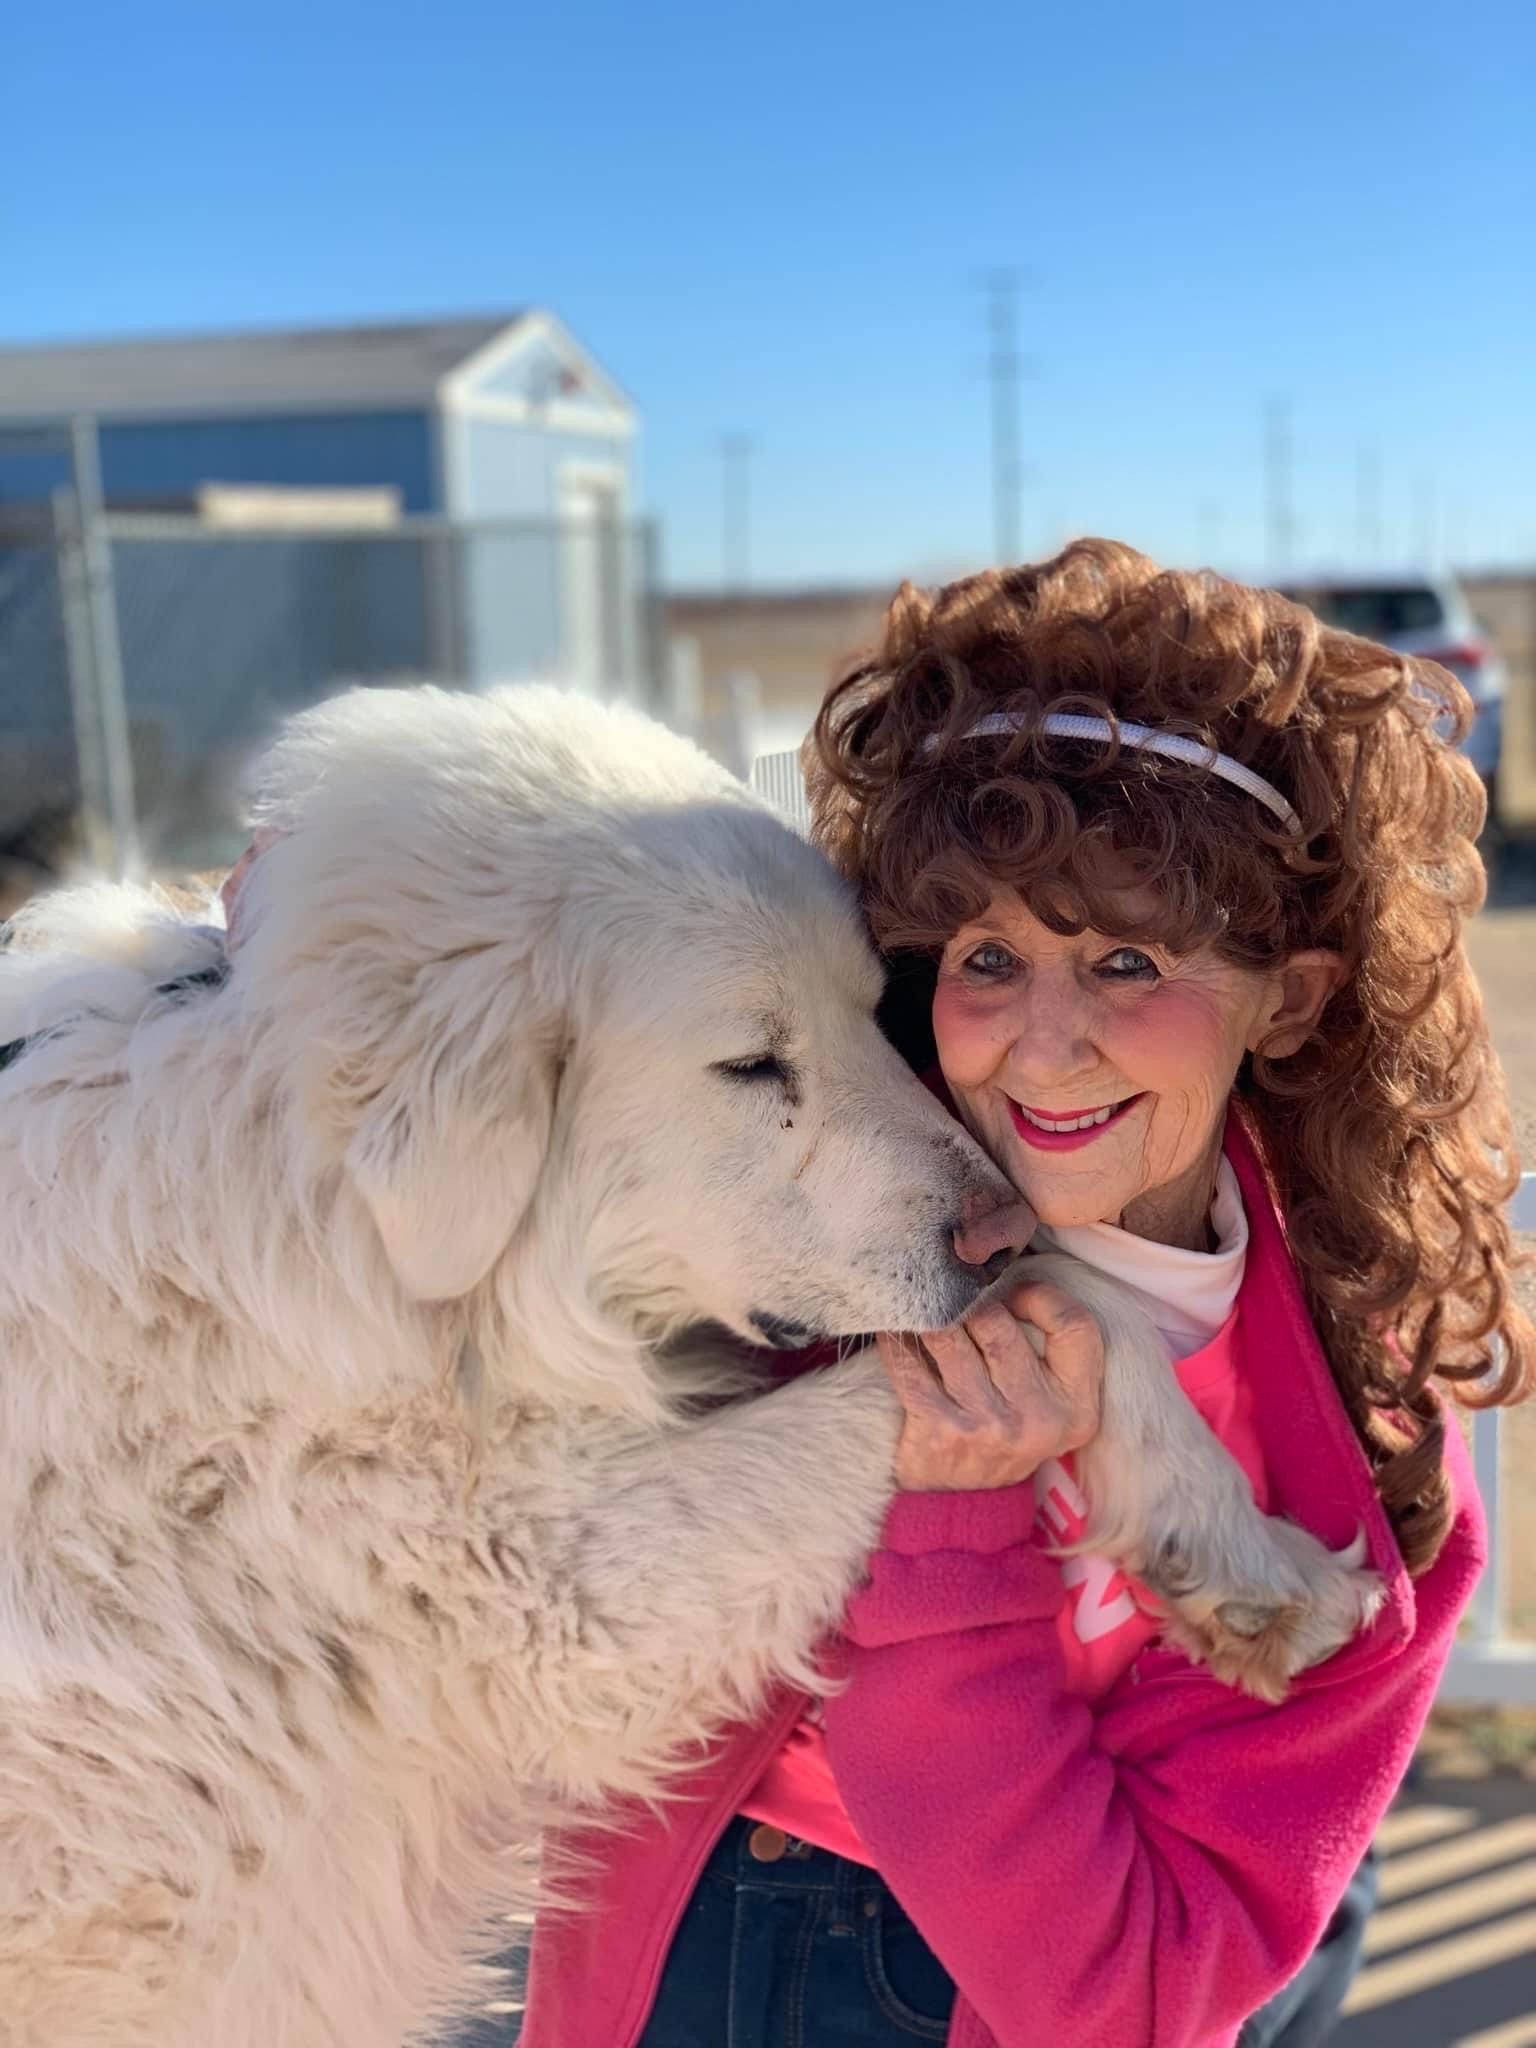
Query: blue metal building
x=483 y=418
x=288 y=511
x=503 y=421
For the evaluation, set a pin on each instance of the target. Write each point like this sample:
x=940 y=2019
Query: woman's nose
x=1053 y=1038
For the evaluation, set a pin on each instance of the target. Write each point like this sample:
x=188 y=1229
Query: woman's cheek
x=1176 y=1043
x=966 y=1032
x=1181 y=1049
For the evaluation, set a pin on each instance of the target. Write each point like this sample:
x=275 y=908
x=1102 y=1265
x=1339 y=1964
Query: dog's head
x=571 y=1001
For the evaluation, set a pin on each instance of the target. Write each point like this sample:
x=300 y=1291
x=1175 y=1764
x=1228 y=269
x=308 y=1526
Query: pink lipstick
x=1066 y=1130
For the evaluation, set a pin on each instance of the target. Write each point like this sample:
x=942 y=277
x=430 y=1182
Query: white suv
x=1425 y=615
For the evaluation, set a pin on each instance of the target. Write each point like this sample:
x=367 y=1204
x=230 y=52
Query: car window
x=1377 y=613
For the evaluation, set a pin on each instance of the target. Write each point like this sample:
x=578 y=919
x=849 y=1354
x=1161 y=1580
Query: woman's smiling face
x=1096 y=1070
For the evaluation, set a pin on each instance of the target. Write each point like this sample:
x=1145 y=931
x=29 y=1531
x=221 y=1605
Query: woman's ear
x=1299 y=992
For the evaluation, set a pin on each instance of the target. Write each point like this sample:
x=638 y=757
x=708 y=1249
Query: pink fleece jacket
x=1141 y=1870
x=1106 y=1620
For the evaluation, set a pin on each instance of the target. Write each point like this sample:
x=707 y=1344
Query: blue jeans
x=808 y=1950
x=1303 y=2014
x=790 y=1953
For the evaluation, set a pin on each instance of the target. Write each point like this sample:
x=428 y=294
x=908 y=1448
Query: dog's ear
x=447 y=1157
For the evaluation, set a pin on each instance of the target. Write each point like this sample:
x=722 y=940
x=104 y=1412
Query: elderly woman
x=1171 y=881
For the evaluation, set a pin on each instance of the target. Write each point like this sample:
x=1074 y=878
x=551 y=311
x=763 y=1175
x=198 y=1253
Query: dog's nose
x=956 y=1285
x=998 y=1234
x=991 y=1269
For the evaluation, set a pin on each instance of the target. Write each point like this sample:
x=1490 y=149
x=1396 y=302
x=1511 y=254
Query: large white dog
x=369 y=1494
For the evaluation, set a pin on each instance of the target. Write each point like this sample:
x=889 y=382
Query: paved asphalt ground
x=1451 y=1952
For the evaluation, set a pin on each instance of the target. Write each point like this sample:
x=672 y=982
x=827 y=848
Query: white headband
x=777 y=777
x=1070 y=725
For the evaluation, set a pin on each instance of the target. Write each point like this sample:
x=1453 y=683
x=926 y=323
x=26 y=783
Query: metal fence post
x=80 y=666
x=655 y=689
x=444 y=607
x=98 y=605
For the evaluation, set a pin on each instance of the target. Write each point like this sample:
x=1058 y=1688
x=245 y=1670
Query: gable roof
x=362 y=368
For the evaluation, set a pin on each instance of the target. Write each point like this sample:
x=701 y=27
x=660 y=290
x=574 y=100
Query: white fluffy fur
x=362 y=1503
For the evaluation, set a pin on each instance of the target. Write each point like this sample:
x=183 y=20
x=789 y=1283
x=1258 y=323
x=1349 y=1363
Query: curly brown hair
x=1386 y=1137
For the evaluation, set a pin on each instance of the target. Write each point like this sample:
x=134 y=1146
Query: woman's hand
x=983 y=1406
x=229 y=894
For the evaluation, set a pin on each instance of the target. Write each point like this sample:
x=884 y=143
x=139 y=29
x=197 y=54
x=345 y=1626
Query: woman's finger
x=918 y=1387
x=229 y=895
x=1073 y=1351
x=1009 y=1350
x=959 y=1364
x=1073 y=1341
x=234 y=881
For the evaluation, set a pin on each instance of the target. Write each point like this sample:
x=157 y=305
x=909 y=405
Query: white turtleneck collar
x=1189 y=1295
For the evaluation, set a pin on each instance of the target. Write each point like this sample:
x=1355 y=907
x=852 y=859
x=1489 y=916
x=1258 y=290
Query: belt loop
x=847 y=1878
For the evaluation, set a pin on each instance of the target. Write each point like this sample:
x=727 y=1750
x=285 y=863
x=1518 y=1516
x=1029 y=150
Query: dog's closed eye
x=757 y=1067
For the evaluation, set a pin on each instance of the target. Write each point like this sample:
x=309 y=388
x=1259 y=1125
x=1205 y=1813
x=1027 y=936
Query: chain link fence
x=144 y=658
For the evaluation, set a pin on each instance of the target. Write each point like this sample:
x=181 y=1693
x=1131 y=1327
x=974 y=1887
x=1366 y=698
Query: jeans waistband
x=802 y=1868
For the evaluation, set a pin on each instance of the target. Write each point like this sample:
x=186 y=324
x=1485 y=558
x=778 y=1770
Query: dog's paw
x=1294 y=1606
x=848 y=1412
x=860 y=1380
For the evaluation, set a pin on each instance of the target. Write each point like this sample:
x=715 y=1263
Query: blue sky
x=771 y=221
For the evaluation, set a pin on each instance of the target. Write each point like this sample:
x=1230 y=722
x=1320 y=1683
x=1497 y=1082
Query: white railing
x=1489 y=1666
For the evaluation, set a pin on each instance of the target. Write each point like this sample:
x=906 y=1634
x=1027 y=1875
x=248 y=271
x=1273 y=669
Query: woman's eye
x=1129 y=963
x=990 y=962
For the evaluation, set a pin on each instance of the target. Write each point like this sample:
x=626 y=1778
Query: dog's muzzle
x=781 y=1332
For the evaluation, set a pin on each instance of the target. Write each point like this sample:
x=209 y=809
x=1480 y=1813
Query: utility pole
x=1279 y=506
x=1453 y=538
x=1368 y=502
x=1003 y=368
x=736 y=451
x=1426 y=507
x=1211 y=515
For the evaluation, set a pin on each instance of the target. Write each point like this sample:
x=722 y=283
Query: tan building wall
x=794 y=641
x=791 y=641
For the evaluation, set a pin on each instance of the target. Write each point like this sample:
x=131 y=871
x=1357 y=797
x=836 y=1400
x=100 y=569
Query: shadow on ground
x=1448 y=1960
